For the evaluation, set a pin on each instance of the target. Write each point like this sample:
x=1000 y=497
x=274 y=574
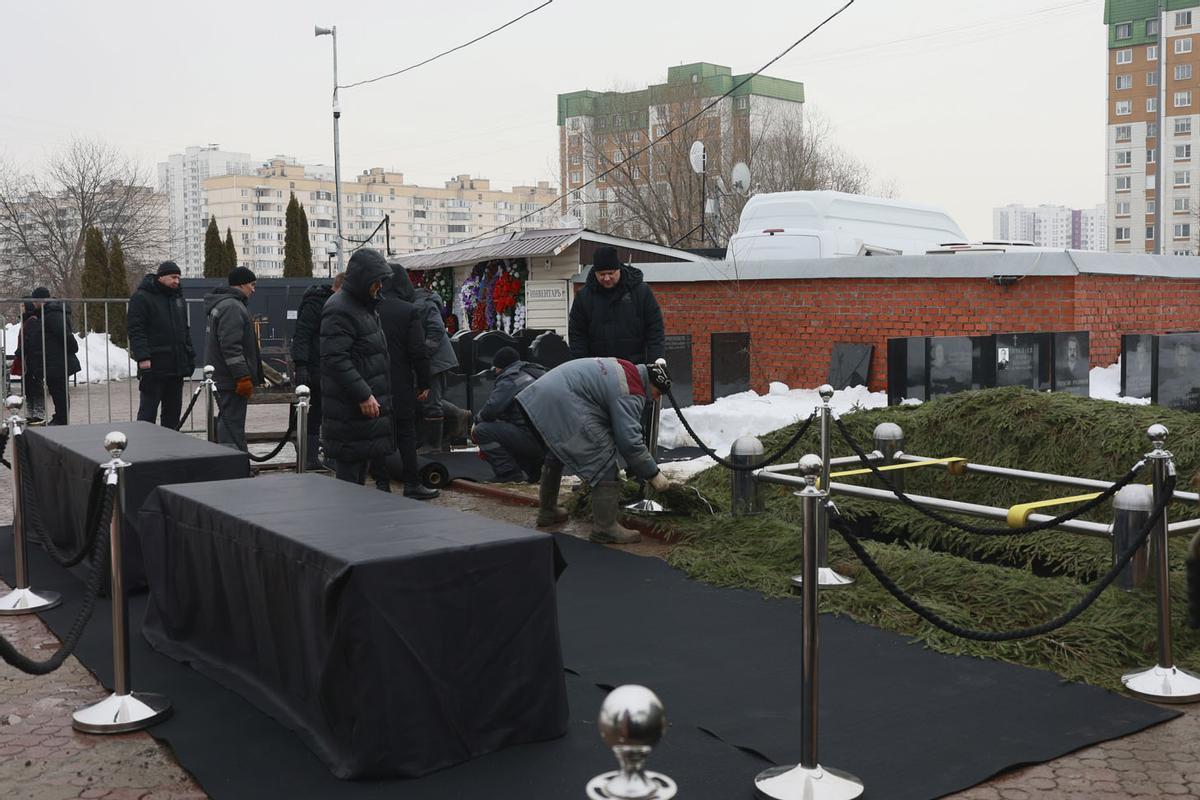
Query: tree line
x=220 y=258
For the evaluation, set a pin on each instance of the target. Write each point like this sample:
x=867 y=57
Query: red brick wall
x=793 y=324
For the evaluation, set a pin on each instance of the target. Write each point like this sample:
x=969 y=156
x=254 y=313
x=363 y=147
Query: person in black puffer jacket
x=160 y=341
x=306 y=357
x=49 y=336
x=615 y=314
x=355 y=378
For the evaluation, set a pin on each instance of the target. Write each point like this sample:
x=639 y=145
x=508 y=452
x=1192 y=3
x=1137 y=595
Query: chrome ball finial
x=114 y=443
x=632 y=716
x=13 y=403
x=888 y=432
x=302 y=392
x=1157 y=434
x=809 y=468
x=209 y=369
x=826 y=392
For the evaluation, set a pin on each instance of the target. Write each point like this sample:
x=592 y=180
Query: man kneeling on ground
x=588 y=412
x=505 y=439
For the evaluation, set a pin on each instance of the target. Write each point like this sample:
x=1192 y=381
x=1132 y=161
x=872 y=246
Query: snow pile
x=98 y=356
x=1106 y=385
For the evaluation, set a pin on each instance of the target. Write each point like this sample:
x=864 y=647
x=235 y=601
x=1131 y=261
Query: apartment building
x=1052 y=226
x=1146 y=67
x=598 y=130
x=418 y=217
x=181 y=178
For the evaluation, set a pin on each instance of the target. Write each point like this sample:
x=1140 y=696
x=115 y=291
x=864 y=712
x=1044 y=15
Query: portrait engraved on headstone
x=1177 y=384
x=1071 y=372
x=1137 y=364
x=1018 y=359
x=950 y=364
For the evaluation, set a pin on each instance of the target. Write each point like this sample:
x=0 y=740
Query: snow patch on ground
x=99 y=358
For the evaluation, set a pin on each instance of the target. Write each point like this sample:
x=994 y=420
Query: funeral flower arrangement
x=493 y=296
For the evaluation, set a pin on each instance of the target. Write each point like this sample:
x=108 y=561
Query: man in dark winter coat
x=434 y=409
x=355 y=369
x=48 y=349
x=615 y=313
x=306 y=357
x=505 y=438
x=232 y=350
x=160 y=341
x=409 y=372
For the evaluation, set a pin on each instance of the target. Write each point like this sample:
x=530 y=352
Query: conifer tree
x=118 y=286
x=231 y=259
x=214 y=252
x=306 y=254
x=94 y=279
x=292 y=268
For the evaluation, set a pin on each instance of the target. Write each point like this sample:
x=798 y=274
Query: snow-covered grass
x=751 y=414
x=99 y=358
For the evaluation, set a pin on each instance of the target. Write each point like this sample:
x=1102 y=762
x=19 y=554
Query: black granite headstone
x=487 y=344
x=678 y=353
x=730 y=363
x=461 y=342
x=1177 y=371
x=1019 y=360
x=906 y=369
x=457 y=389
x=1137 y=362
x=950 y=365
x=1071 y=373
x=850 y=365
x=525 y=338
x=549 y=350
x=481 y=389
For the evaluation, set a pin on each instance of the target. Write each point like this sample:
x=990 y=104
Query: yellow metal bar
x=1018 y=514
x=905 y=465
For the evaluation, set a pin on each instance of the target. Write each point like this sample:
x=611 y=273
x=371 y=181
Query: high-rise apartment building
x=181 y=178
x=602 y=130
x=1052 y=226
x=253 y=206
x=1142 y=72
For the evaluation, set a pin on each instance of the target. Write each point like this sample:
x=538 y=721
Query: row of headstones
x=924 y=367
x=1164 y=367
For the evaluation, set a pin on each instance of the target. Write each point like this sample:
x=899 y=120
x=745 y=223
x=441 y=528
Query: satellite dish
x=697 y=157
x=741 y=177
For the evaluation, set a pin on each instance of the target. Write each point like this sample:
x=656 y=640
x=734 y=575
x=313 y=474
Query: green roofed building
x=1142 y=74
x=598 y=130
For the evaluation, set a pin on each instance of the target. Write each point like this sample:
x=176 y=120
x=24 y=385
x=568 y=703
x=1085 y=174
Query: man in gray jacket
x=232 y=350
x=588 y=413
x=434 y=409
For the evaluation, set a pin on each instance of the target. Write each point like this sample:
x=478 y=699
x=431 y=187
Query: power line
x=667 y=135
x=448 y=52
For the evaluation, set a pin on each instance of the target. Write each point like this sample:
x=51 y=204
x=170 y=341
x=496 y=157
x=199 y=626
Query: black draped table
x=395 y=637
x=63 y=461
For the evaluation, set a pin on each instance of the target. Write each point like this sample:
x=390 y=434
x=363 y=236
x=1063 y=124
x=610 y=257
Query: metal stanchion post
x=1164 y=682
x=210 y=391
x=302 y=394
x=632 y=722
x=648 y=505
x=825 y=575
x=889 y=443
x=1131 y=509
x=123 y=710
x=808 y=780
x=745 y=493
x=22 y=599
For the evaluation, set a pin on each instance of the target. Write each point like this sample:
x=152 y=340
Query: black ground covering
x=910 y=722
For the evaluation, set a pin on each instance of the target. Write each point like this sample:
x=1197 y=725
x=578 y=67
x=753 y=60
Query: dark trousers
x=35 y=397
x=431 y=406
x=165 y=390
x=314 y=410
x=510 y=448
x=57 y=385
x=231 y=426
x=357 y=471
x=406 y=445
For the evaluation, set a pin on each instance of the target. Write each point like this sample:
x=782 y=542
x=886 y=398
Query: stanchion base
x=661 y=787
x=122 y=713
x=1163 y=685
x=797 y=783
x=826 y=576
x=646 y=507
x=27 y=601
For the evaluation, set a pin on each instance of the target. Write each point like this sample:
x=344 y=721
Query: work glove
x=245 y=388
x=659 y=482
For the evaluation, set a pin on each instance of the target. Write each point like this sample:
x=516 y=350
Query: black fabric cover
x=397 y=638
x=65 y=458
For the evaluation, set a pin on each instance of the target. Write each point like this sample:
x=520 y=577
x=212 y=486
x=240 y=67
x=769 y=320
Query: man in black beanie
x=160 y=341
x=615 y=313
x=232 y=350
x=504 y=437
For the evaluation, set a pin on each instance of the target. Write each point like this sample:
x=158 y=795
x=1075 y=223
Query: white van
x=786 y=226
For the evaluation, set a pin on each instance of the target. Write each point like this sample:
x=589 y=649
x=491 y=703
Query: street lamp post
x=337 y=148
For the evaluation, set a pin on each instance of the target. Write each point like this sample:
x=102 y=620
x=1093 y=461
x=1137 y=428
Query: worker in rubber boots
x=588 y=413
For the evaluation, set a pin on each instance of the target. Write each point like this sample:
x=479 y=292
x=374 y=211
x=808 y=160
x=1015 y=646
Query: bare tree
x=44 y=216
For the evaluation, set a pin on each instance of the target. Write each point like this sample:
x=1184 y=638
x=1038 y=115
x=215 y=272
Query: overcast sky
x=967 y=104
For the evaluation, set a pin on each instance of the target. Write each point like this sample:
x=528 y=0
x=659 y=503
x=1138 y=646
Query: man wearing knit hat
x=232 y=350
x=160 y=341
x=505 y=439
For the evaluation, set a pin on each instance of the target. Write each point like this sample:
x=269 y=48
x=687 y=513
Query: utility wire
x=447 y=52
x=671 y=132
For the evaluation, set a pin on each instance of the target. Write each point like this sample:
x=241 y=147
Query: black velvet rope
x=771 y=459
x=3 y=447
x=984 y=530
x=1002 y=636
x=241 y=440
x=32 y=514
x=98 y=566
x=183 y=420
